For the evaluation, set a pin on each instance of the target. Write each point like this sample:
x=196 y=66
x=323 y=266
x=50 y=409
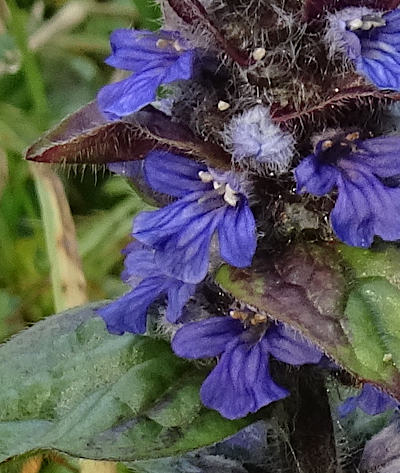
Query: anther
x=222 y=106
x=326 y=145
x=258 y=319
x=230 y=196
x=162 y=43
x=177 y=46
x=219 y=187
x=366 y=23
x=259 y=53
x=205 y=176
x=353 y=136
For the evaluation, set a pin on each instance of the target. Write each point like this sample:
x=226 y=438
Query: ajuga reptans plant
x=258 y=128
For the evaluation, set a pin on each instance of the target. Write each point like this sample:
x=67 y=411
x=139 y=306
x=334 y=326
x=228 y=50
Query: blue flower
x=371 y=400
x=366 y=176
x=255 y=140
x=371 y=40
x=241 y=381
x=154 y=58
x=129 y=312
x=207 y=202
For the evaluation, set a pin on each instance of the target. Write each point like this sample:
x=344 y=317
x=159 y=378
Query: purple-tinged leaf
x=314 y=9
x=348 y=93
x=305 y=287
x=87 y=137
x=192 y=12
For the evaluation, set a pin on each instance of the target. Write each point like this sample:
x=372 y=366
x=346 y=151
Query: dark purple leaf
x=192 y=12
x=349 y=92
x=87 y=137
x=305 y=287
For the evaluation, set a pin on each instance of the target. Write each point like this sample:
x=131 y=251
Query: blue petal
x=206 y=338
x=374 y=401
x=381 y=155
x=371 y=400
x=131 y=94
x=314 y=177
x=287 y=345
x=181 y=233
x=185 y=255
x=364 y=208
x=178 y=294
x=241 y=382
x=129 y=312
x=237 y=235
x=139 y=261
x=155 y=227
x=131 y=169
x=181 y=69
x=380 y=53
x=136 y=50
x=348 y=406
x=173 y=175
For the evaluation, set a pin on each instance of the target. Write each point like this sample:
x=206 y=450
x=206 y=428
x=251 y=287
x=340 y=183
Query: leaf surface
x=88 y=137
x=69 y=385
x=354 y=320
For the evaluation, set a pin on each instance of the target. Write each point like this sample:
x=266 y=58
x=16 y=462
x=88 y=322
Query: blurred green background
x=51 y=63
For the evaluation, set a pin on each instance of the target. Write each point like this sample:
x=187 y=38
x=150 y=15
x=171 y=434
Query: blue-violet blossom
x=241 y=381
x=129 y=312
x=366 y=176
x=155 y=58
x=371 y=39
x=207 y=202
x=371 y=400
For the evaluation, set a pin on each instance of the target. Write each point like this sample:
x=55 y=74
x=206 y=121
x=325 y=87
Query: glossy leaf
x=69 y=385
x=306 y=288
x=87 y=137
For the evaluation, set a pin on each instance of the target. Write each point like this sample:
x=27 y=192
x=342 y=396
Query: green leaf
x=69 y=385
x=381 y=302
x=306 y=287
x=383 y=260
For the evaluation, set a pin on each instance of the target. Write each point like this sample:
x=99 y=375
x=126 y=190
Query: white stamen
x=355 y=24
x=230 y=196
x=259 y=53
x=219 y=187
x=222 y=106
x=162 y=43
x=205 y=177
x=366 y=23
x=177 y=46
